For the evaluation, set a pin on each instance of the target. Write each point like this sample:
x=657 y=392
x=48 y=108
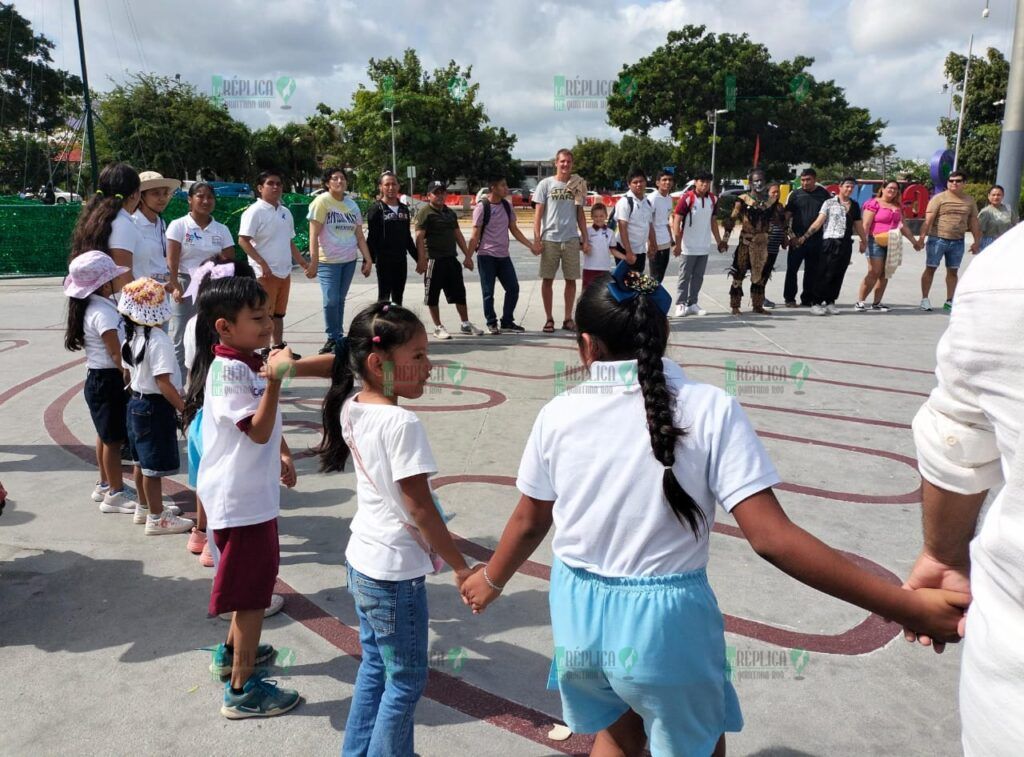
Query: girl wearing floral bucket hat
x=154 y=403
x=94 y=325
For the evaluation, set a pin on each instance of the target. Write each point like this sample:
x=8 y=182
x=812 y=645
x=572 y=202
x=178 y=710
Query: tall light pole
x=713 y=118
x=963 y=104
x=394 y=160
x=1011 y=146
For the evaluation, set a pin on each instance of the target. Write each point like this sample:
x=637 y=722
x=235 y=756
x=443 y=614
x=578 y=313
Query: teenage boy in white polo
x=663 y=206
x=265 y=233
x=634 y=219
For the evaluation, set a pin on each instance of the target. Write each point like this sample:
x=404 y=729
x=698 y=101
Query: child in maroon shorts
x=244 y=458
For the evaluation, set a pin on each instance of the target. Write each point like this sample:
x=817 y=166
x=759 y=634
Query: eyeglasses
x=954 y=181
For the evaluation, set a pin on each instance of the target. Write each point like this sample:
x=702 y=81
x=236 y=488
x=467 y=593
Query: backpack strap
x=486 y=217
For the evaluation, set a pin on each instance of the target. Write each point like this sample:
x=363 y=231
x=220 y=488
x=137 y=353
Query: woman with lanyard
x=150 y=257
x=882 y=214
x=995 y=218
x=191 y=240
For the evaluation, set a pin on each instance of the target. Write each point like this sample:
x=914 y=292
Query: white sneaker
x=831 y=309
x=141 y=513
x=681 y=311
x=167 y=523
x=860 y=307
x=696 y=310
x=441 y=333
x=926 y=304
x=818 y=310
x=118 y=502
x=100 y=492
x=470 y=330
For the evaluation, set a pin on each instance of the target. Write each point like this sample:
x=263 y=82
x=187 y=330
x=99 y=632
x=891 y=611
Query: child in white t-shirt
x=244 y=461
x=154 y=404
x=398 y=533
x=597 y=261
x=632 y=519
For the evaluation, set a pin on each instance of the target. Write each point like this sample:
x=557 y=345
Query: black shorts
x=444 y=274
x=153 y=435
x=108 y=403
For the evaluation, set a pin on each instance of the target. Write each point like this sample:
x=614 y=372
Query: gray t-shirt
x=558 y=224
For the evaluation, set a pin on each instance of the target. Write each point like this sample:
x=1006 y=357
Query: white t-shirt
x=611 y=516
x=695 y=227
x=150 y=258
x=638 y=222
x=663 y=206
x=239 y=481
x=158 y=360
x=392 y=445
x=272 y=230
x=601 y=242
x=124 y=235
x=199 y=244
x=970 y=438
x=188 y=341
x=101 y=316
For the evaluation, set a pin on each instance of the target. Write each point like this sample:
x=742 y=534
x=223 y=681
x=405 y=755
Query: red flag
x=757 y=151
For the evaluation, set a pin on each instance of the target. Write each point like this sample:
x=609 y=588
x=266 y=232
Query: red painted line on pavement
x=15 y=344
x=17 y=388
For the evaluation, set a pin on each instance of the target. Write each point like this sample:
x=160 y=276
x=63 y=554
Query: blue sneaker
x=223 y=658
x=260 y=698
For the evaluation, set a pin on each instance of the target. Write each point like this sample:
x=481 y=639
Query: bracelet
x=491 y=583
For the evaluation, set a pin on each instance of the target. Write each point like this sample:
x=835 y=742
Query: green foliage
x=441 y=127
x=159 y=124
x=979 y=146
x=25 y=162
x=36 y=96
x=288 y=150
x=603 y=162
x=679 y=82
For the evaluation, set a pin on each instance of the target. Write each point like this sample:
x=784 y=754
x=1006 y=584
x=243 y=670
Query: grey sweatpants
x=691 y=278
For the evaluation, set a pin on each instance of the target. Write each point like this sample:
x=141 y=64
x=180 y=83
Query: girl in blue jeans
x=335 y=243
x=398 y=534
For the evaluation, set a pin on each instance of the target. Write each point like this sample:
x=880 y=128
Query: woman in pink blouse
x=882 y=214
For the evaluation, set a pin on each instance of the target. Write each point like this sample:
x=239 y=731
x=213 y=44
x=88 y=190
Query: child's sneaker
x=118 y=502
x=206 y=558
x=260 y=698
x=141 y=513
x=167 y=523
x=100 y=491
x=224 y=658
x=196 y=541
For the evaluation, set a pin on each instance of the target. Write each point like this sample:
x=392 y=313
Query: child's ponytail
x=129 y=335
x=332 y=448
x=74 y=334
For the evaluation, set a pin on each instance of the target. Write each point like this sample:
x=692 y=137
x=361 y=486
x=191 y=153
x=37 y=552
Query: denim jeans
x=393 y=674
x=492 y=268
x=937 y=249
x=335 y=279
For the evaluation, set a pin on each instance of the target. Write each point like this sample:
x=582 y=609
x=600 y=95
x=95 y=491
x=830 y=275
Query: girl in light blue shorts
x=639 y=641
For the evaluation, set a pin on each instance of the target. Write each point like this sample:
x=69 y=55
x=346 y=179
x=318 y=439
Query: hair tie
x=376 y=340
x=119 y=196
x=99 y=192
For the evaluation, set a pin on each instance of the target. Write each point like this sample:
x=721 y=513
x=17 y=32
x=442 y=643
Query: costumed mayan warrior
x=756 y=212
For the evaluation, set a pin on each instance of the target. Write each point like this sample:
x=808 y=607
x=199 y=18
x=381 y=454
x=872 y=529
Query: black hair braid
x=391 y=326
x=660 y=405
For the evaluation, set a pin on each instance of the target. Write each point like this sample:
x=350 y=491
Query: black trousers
x=808 y=254
x=659 y=264
x=835 y=256
x=391 y=276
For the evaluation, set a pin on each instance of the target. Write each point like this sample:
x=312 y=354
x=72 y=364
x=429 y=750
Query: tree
x=983 y=118
x=290 y=151
x=35 y=96
x=441 y=128
x=160 y=124
x=798 y=119
x=24 y=162
x=605 y=164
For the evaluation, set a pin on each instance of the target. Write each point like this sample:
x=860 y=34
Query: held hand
x=939 y=615
x=975 y=248
x=476 y=593
x=586 y=246
x=918 y=245
x=677 y=250
x=723 y=245
x=421 y=267
x=538 y=247
x=288 y=474
x=366 y=268
x=463 y=574
x=631 y=258
x=863 y=246
x=311 y=270
x=468 y=263
x=796 y=241
x=929 y=573
x=281 y=363
x=173 y=287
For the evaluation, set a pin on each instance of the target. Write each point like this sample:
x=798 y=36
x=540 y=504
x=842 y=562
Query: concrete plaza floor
x=102 y=629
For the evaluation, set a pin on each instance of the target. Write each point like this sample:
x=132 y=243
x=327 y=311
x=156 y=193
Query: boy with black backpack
x=493 y=219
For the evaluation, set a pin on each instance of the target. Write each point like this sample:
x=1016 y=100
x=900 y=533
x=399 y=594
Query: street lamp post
x=394 y=160
x=963 y=104
x=713 y=118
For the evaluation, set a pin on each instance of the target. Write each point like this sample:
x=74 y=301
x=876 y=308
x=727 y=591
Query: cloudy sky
x=887 y=54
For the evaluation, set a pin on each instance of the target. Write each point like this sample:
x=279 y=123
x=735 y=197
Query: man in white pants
x=970 y=439
x=696 y=231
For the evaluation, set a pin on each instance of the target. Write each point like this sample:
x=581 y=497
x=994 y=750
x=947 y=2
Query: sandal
x=549 y=326
x=569 y=325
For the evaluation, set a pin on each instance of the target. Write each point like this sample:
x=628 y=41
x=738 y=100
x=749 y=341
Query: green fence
x=35 y=239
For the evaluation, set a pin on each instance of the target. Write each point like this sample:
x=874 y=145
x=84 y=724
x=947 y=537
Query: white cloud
x=887 y=56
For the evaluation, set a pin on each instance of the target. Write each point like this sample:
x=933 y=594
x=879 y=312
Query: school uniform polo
x=271 y=229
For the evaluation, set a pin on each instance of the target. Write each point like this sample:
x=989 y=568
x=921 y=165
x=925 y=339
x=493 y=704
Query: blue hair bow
x=626 y=284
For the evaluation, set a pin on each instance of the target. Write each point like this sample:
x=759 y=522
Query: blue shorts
x=153 y=435
x=937 y=248
x=195 y=447
x=655 y=645
x=108 y=403
x=875 y=250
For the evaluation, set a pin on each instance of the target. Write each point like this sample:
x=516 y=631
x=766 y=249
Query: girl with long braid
x=639 y=639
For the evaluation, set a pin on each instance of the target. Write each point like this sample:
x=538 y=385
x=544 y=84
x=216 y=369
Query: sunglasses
x=954 y=181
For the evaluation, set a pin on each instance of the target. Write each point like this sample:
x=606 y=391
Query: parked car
x=62 y=196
